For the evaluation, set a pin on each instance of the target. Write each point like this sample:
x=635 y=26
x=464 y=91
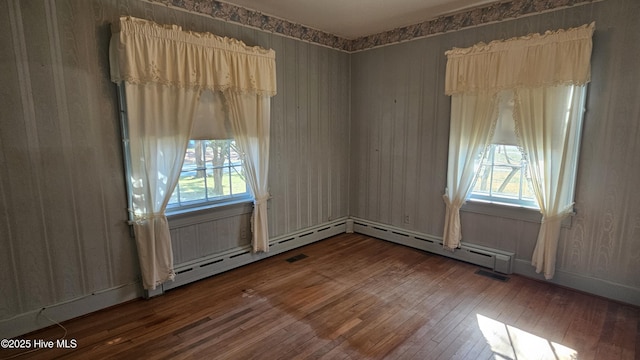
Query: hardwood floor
x=355 y=297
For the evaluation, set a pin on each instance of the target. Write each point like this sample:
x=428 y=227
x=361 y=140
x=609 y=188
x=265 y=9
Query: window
x=160 y=109
x=541 y=80
x=501 y=173
x=502 y=176
x=212 y=173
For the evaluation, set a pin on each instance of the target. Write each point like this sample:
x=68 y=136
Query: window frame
x=480 y=203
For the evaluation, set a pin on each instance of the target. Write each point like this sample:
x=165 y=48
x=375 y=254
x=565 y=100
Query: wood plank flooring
x=355 y=297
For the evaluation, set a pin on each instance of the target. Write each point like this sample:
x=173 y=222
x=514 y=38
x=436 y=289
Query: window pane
x=482 y=182
x=218 y=183
x=192 y=186
x=501 y=176
x=506 y=181
x=238 y=182
x=212 y=171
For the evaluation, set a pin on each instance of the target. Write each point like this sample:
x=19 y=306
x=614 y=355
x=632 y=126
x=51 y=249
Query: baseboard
x=497 y=260
x=233 y=258
x=599 y=287
x=48 y=315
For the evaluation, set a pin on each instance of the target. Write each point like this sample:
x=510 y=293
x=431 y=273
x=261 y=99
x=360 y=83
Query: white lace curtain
x=472 y=120
x=545 y=73
x=165 y=72
x=549 y=123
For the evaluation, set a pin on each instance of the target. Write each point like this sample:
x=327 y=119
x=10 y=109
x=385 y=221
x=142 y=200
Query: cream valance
x=142 y=52
x=552 y=58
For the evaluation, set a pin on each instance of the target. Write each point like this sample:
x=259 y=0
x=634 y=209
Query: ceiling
x=352 y=19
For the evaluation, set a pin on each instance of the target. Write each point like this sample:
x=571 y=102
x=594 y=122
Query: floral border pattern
x=491 y=13
x=242 y=16
x=494 y=12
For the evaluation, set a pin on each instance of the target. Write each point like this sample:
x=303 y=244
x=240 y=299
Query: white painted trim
x=349 y=226
x=188 y=217
x=508 y=211
x=34 y=320
x=502 y=210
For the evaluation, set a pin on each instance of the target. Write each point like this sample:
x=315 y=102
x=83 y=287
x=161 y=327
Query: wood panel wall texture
x=193 y=242
x=360 y=134
x=400 y=126
x=62 y=193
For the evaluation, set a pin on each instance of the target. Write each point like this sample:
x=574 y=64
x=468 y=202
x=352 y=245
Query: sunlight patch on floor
x=508 y=342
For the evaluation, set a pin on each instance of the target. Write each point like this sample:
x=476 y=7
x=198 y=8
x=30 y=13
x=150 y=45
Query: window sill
x=197 y=215
x=508 y=211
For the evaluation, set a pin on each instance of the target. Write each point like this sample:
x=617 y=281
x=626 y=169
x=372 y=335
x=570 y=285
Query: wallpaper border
x=494 y=12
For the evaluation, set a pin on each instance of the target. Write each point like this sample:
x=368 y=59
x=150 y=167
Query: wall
x=309 y=167
x=400 y=122
x=65 y=243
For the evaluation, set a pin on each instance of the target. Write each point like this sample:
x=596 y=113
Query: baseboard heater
x=233 y=258
x=497 y=260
